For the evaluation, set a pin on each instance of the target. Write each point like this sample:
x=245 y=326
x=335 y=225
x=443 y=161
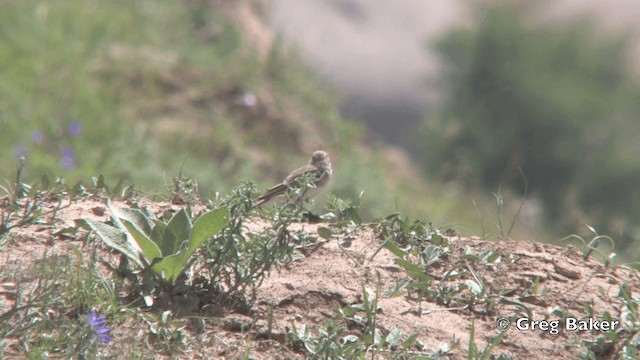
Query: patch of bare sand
x=311 y=290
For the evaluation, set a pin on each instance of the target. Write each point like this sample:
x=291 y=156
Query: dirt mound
x=352 y=278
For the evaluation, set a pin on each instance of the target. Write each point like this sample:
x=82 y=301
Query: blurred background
x=466 y=114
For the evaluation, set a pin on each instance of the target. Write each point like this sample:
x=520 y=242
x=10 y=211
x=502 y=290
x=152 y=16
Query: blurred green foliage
x=138 y=89
x=146 y=90
x=557 y=102
x=68 y=71
x=143 y=90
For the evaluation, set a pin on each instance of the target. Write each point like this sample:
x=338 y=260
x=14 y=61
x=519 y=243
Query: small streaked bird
x=319 y=165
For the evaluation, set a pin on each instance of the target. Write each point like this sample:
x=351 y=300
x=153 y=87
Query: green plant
x=411 y=240
x=552 y=102
x=163 y=248
x=476 y=354
x=626 y=338
x=330 y=343
x=591 y=246
x=92 y=334
x=369 y=307
x=185 y=190
x=236 y=259
x=85 y=287
x=374 y=338
x=505 y=235
x=342 y=212
x=14 y=200
x=334 y=342
x=167 y=332
x=54 y=300
x=419 y=249
x=120 y=190
x=403 y=237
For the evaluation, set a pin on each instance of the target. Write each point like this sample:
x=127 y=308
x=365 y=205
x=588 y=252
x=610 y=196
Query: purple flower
x=98 y=324
x=75 y=128
x=37 y=137
x=68 y=160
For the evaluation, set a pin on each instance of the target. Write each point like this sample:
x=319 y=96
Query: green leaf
x=158 y=233
x=350 y=339
x=430 y=255
x=324 y=233
x=393 y=337
x=115 y=239
x=175 y=234
x=149 y=249
x=474 y=286
x=409 y=341
x=99 y=182
x=438 y=239
x=134 y=216
x=490 y=256
x=393 y=247
x=348 y=311
x=470 y=257
x=136 y=227
x=207 y=225
x=354 y=216
x=472 y=352
x=397 y=288
x=170 y=267
x=377 y=338
x=412 y=269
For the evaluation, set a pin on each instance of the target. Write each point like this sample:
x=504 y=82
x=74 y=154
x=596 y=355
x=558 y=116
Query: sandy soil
x=548 y=280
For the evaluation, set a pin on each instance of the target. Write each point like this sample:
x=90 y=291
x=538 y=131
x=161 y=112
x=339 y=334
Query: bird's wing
x=274 y=191
x=292 y=179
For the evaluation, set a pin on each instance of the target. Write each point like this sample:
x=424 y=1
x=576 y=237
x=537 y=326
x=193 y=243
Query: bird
x=319 y=165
